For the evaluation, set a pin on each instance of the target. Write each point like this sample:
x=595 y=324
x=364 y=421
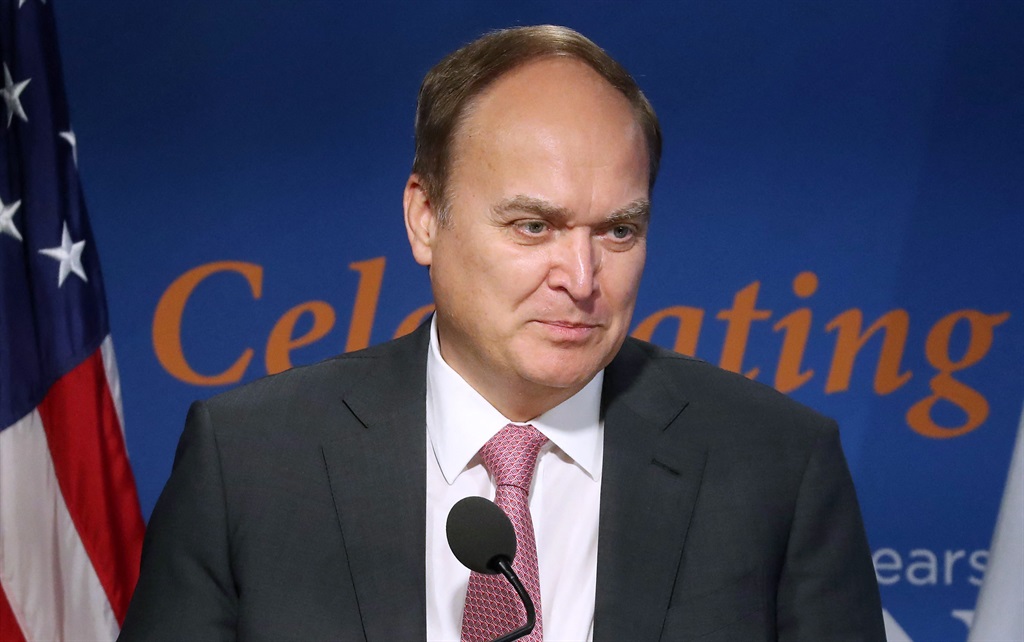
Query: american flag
x=70 y=526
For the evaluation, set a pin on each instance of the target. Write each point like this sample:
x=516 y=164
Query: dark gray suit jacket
x=296 y=510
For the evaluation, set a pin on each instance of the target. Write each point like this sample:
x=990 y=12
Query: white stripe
x=1000 y=610
x=113 y=378
x=48 y=578
x=893 y=631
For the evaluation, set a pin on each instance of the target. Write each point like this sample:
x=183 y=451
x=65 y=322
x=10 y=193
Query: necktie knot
x=511 y=455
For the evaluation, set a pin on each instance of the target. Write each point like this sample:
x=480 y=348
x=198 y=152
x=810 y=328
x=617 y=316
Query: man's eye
x=622 y=232
x=533 y=227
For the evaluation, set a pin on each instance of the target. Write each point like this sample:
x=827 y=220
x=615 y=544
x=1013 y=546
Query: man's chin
x=559 y=367
x=561 y=377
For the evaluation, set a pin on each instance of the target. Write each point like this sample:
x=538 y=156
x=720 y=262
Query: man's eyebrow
x=638 y=211
x=635 y=211
x=530 y=205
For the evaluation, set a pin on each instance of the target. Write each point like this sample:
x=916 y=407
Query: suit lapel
x=377 y=469
x=376 y=460
x=652 y=472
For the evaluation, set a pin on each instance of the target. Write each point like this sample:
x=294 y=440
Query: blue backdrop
x=839 y=214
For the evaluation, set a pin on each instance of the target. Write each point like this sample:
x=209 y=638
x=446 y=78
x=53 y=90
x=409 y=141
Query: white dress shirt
x=564 y=499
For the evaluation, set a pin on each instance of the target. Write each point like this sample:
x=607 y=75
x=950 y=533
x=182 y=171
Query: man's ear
x=420 y=220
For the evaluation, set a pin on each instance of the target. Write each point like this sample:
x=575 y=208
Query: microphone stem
x=505 y=566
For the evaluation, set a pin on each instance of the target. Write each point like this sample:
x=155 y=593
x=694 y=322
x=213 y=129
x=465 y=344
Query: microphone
x=483 y=540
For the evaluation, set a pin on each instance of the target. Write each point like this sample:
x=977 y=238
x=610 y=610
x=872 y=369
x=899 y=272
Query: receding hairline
x=518 y=46
x=470 y=108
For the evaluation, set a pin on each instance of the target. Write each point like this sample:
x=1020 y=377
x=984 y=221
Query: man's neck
x=525 y=402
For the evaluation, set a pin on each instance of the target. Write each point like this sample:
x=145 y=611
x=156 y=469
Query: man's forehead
x=534 y=87
x=546 y=78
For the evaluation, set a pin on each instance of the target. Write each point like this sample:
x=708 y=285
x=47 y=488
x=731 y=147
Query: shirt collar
x=460 y=421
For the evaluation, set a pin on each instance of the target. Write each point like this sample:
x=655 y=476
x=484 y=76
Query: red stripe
x=92 y=469
x=9 y=629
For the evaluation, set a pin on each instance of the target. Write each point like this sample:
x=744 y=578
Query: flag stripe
x=113 y=378
x=9 y=629
x=45 y=570
x=94 y=476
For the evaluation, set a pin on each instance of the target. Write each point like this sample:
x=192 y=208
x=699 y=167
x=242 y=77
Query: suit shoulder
x=317 y=383
x=734 y=398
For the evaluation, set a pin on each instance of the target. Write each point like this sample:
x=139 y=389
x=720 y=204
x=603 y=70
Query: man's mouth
x=568 y=331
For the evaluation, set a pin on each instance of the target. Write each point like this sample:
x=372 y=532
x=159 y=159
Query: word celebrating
x=790 y=374
x=281 y=341
x=850 y=340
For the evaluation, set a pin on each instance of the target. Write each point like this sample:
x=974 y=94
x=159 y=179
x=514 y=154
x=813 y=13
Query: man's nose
x=575 y=264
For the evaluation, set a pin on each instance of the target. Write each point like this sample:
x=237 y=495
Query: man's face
x=536 y=273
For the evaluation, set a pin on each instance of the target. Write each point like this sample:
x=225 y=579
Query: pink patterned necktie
x=492 y=606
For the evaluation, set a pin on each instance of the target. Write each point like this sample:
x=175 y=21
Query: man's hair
x=449 y=88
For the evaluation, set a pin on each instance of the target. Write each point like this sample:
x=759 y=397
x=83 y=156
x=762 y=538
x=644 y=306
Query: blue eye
x=622 y=232
x=534 y=227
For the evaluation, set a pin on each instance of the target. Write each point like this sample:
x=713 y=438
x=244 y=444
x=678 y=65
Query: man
x=670 y=500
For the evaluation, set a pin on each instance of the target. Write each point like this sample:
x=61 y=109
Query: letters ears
x=420 y=220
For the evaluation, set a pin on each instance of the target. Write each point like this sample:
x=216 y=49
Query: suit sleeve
x=828 y=590
x=186 y=590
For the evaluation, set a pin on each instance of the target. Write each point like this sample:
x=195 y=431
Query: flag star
x=22 y=2
x=70 y=256
x=11 y=93
x=69 y=136
x=7 y=213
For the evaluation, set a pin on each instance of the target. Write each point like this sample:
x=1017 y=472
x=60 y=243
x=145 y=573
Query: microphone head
x=479 y=532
